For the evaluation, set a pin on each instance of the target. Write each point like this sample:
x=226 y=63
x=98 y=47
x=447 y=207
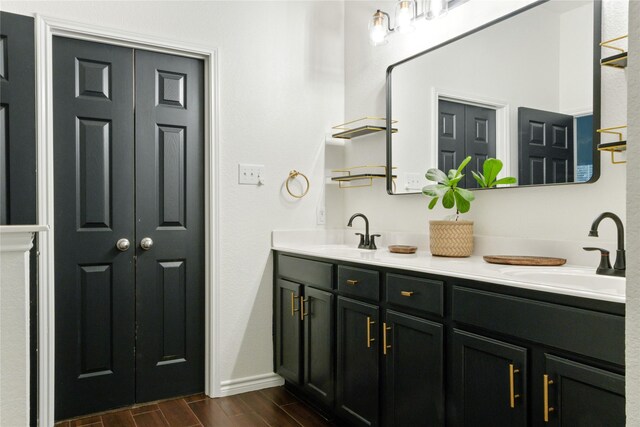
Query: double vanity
x=376 y=338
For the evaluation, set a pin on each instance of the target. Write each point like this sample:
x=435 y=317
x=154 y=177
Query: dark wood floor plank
x=86 y=421
x=178 y=413
x=268 y=410
x=61 y=424
x=210 y=413
x=118 y=419
x=195 y=397
x=144 y=408
x=305 y=415
x=150 y=419
x=233 y=405
x=248 y=420
x=279 y=395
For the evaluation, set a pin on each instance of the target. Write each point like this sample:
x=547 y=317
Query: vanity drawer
x=313 y=273
x=589 y=333
x=359 y=282
x=412 y=292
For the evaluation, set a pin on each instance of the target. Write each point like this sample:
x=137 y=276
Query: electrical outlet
x=413 y=181
x=321 y=215
x=250 y=174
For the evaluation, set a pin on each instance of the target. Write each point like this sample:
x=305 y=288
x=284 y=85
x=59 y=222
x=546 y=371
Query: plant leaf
x=436 y=190
x=437 y=175
x=491 y=168
x=462 y=204
x=454 y=182
x=479 y=178
x=433 y=202
x=453 y=173
x=448 y=201
x=506 y=180
x=464 y=163
x=466 y=194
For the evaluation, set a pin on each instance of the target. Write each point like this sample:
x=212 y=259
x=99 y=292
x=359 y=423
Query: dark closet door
x=169 y=211
x=451 y=140
x=94 y=201
x=480 y=140
x=546 y=147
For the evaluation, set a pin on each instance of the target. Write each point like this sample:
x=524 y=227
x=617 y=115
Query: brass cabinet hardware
x=302 y=312
x=547 y=408
x=293 y=304
x=292 y=176
x=352 y=282
x=369 y=339
x=406 y=293
x=385 y=328
x=512 y=394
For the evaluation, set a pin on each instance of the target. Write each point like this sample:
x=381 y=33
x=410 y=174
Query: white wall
x=281 y=74
x=559 y=212
x=633 y=224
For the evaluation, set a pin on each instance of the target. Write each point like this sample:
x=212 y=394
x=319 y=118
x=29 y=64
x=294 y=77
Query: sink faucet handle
x=605 y=264
x=372 y=241
x=361 y=244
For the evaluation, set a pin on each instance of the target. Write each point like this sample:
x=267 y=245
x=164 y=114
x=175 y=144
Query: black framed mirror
x=524 y=88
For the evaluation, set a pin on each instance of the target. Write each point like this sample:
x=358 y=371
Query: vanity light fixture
x=406 y=13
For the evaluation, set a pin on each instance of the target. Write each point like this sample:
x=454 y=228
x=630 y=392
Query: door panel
x=170 y=211
x=584 y=396
x=288 y=330
x=481 y=382
x=546 y=147
x=94 y=200
x=451 y=139
x=480 y=139
x=318 y=344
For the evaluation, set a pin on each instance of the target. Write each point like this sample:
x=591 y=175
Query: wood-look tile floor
x=269 y=407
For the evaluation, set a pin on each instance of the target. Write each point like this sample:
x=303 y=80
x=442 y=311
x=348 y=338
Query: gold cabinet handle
x=512 y=393
x=369 y=339
x=545 y=391
x=406 y=293
x=293 y=304
x=302 y=312
x=385 y=328
x=352 y=282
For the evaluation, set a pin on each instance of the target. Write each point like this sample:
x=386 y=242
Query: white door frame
x=503 y=127
x=46 y=28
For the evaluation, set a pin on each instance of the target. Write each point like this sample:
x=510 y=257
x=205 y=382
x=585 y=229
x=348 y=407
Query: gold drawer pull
x=302 y=312
x=293 y=304
x=512 y=394
x=406 y=293
x=352 y=282
x=369 y=339
x=545 y=396
x=385 y=328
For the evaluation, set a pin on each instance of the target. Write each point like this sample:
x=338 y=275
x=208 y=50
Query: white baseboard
x=246 y=384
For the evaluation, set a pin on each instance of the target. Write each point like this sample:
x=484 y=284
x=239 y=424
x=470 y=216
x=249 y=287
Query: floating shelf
x=366 y=175
x=362 y=127
x=616 y=146
x=618 y=60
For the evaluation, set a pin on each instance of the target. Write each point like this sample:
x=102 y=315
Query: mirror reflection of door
x=465 y=130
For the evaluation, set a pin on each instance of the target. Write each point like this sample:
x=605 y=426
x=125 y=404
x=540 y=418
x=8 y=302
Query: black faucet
x=366 y=241
x=605 y=266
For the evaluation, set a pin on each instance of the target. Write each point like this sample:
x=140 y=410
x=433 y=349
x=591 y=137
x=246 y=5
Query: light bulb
x=378 y=28
x=435 y=8
x=405 y=12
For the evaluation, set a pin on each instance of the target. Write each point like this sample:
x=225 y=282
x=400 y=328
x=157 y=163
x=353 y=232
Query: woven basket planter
x=451 y=238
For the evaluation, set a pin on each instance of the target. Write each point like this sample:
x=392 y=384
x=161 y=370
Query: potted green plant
x=454 y=237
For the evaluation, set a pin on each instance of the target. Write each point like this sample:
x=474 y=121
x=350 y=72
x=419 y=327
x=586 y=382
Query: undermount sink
x=574 y=278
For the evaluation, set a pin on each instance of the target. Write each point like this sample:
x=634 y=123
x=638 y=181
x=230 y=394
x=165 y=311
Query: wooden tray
x=524 y=260
x=403 y=249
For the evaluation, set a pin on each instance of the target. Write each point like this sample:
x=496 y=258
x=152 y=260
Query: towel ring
x=293 y=175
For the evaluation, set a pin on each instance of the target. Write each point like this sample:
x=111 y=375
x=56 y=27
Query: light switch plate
x=250 y=174
x=413 y=181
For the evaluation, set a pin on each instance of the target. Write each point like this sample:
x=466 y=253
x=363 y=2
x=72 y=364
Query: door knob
x=123 y=245
x=146 y=243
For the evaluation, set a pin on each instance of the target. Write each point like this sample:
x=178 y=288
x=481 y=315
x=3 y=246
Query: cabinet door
x=489 y=382
x=413 y=371
x=318 y=344
x=357 y=377
x=581 y=395
x=288 y=361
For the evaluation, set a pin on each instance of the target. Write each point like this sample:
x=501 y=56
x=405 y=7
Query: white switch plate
x=250 y=174
x=413 y=181
x=321 y=215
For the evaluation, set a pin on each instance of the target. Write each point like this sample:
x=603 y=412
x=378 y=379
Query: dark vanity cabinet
x=400 y=348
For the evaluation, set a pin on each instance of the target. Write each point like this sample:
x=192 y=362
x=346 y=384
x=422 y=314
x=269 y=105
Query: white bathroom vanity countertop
x=574 y=280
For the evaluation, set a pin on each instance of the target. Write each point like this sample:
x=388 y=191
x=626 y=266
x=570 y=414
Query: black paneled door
x=128 y=164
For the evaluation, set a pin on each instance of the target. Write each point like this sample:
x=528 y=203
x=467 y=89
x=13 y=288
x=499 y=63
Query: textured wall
x=633 y=220
x=281 y=87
